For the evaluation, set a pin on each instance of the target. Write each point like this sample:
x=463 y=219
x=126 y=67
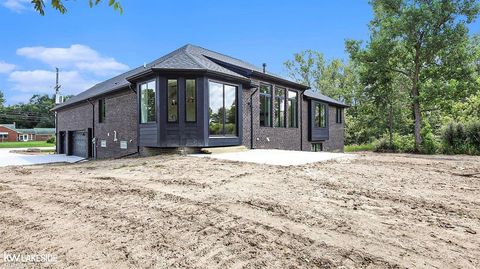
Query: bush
x=401 y=143
x=460 y=138
x=51 y=140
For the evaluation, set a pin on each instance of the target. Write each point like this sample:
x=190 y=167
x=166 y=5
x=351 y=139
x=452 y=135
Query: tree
x=39 y=5
x=2 y=99
x=426 y=43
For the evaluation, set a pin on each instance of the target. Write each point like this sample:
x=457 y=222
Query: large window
x=101 y=110
x=190 y=101
x=292 y=109
x=172 y=105
x=320 y=115
x=147 y=102
x=339 y=115
x=265 y=106
x=223 y=109
x=279 y=107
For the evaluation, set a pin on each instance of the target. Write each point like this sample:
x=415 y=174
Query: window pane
x=147 y=102
x=265 y=89
x=279 y=107
x=265 y=108
x=216 y=110
x=230 y=110
x=172 y=105
x=292 y=109
x=323 y=121
x=101 y=110
x=190 y=101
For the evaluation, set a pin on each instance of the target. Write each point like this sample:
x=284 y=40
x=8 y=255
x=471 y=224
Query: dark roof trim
x=323 y=98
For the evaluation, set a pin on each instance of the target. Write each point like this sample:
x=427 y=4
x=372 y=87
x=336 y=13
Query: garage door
x=80 y=145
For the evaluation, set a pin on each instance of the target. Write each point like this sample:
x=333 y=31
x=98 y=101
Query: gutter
x=301 y=119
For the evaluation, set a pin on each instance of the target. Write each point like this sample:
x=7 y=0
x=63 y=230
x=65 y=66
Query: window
x=172 y=106
x=148 y=102
x=222 y=109
x=279 y=107
x=317 y=147
x=265 y=106
x=101 y=110
x=339 y=115
x=292 y=109
x=320 y=115
x=190 y=101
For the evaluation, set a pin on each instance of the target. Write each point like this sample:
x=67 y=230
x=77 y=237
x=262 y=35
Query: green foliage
x=400 y=143
x=35 y=113
x=2 y=99
x=28 y=144
x=39 y=5
x=51 y=140
x=460 y=138
x=363 y=147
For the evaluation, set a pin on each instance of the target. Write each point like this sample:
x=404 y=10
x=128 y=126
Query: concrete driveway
x=9 y=158
x=277 y=157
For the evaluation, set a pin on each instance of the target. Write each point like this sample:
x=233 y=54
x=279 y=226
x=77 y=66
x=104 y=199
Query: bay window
x=265 y=106
x=172 y=100
x=320 y=115
x=222 y=109
x=148 y=102
x=279 y=107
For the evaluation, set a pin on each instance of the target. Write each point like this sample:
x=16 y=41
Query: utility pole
x=58 y=100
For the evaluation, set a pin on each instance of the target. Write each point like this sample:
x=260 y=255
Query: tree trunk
x=417 y=113
x=390 y=125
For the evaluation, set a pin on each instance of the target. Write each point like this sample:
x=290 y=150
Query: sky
x=90 y=45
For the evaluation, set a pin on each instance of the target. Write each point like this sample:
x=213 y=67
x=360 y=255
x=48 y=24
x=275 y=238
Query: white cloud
x=43 y=81
x=16 y=5
x=6 y=68
x=76 y=56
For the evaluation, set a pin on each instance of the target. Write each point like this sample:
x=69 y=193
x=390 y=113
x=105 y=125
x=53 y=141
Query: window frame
x=317 y=123
x=296 y=108
x=102 y=114
x=270 y=96
x=284 y=99
x=176 y=100
x=223 y=135
x=339 y=115
x=195 y=91
x=314 y=147
x=140 y=101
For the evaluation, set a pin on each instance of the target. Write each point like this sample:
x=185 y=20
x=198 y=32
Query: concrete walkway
x=9 y=158
x=277 y=157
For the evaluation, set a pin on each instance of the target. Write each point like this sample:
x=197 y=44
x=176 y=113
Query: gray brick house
x=195 y=98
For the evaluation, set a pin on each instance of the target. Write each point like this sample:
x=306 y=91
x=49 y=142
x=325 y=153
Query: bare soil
x=375 y=211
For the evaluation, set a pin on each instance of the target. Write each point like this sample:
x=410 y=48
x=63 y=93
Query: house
x=195 y=98
x=9 y=133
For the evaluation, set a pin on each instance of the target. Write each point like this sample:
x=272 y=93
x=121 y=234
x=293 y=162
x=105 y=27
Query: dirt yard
x=376 y=211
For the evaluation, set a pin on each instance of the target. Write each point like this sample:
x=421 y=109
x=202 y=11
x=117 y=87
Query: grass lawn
x=364 y=147
x=29 y=144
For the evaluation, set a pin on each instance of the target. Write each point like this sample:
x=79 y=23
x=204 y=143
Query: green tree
x=39 y=5
x=424 y=42
x=2 y=99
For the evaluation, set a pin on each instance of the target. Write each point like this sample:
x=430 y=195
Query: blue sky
x=91 y=45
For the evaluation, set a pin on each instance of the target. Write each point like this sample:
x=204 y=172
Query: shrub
x=401 y=143
x=51 y=140
x=460 y=138
x=472 y=130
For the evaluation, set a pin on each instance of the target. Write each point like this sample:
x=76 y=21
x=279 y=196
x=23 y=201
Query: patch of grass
x=29 y=144
x=364 y=147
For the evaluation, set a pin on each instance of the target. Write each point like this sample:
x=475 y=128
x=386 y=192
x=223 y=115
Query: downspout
x=301 y=120
x=251 y=116
x=94 y=146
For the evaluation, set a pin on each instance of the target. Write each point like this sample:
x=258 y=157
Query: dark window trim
x=101 y=110
x=284 y=106
x=317 y=123
x=196 y=99
x=296 y=107
x=139 y=91
x=314 y=147
x=237 y=86
x=178 y=111
x=270 y=95
x=339 y=115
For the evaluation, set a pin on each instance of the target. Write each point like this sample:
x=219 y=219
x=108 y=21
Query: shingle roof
x=318 y=96
x=188 y=57
x=9 y=126
x=37 y=131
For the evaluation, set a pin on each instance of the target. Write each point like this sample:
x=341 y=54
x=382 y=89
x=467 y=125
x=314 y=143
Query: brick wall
x=12 y=135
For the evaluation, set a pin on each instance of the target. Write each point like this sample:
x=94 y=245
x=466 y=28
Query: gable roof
x=188 y=57
x=318 y=96
x=11 y=126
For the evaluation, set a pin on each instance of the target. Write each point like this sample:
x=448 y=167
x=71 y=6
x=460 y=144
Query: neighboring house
x=9 y=133
x=194 y=98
